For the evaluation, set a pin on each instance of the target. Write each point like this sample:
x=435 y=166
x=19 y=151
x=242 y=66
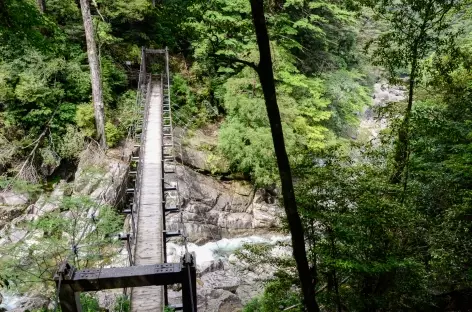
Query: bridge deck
x=149 y=231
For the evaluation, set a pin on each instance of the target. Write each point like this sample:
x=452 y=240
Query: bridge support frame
x=72 y=282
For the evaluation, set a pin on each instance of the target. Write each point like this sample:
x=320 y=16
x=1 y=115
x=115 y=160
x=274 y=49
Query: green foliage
x=349 y=97
x=114 y=80
x=50 y=239
x=123 y=304
x=184 y=104
x=20 y=186
x=71 y=144
x=85 y=119
x=373 y=245
x=245 y=136
x=33 y=94
x=89 y=303
x=413 y=30
x=359 y=214
x=113 y=134
x=313 y=110
x=125 y=114
x=278 y=295
x=20 y=27
x=45 y=79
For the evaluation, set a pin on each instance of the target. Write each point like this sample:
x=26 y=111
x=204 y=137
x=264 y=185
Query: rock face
x=219 y=216
x=12 y=206
x=29 y=303
x=384 y=94
x=98 y=176
x=217 y=209
x=13 y=199
x=197 y=149
x=224 y=283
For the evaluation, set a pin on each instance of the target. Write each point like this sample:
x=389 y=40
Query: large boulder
x=214 y=209
x=49 y=202
x=220 y=300
x=102 y=176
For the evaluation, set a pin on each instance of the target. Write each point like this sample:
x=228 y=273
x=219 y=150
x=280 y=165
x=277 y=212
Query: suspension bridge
x=152 y=193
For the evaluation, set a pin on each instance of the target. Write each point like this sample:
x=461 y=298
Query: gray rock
x=215 y=209
x=371 y=125
x=211 y=266
x=102 y=184
x=197 y=149
x=263 y=216
x=13 y=199
x=33 y=302
x=107 y=299
x=49 y=202
x=8 y=213
x=225 y=280
x=220 y=300
x=247 y=292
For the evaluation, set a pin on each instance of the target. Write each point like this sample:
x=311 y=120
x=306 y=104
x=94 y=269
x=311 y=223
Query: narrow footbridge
x=152 y=193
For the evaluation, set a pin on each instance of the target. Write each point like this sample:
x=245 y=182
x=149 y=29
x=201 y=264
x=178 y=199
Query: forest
x=382 y=222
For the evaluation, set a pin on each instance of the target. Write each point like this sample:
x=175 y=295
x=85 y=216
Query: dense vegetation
x=387 y=222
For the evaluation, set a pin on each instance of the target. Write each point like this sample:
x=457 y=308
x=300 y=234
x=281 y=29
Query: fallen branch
x=31 y=154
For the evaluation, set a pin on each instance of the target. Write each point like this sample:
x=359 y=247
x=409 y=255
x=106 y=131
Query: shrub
x=113 y=134
x=126 y=114
x=122 y=304
x=71 y=144
x=85 y=119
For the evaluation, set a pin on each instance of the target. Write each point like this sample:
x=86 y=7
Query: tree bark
x=42 y=5
x=401 y=153
x=95 y=75
x=266 y=77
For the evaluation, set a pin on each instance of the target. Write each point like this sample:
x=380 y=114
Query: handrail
x=142 y=104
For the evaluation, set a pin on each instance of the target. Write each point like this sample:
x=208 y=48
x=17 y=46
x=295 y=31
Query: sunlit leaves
x=81 y=232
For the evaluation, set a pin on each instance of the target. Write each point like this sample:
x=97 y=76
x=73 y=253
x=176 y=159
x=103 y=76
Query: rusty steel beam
x=71 y=281
x=135 y=276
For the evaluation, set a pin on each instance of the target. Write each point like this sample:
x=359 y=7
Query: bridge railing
x=70 y=281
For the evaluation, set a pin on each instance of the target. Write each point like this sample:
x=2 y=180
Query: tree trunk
x=401 y=153
x=266 y=76
x=94 y=73
x=42 y=5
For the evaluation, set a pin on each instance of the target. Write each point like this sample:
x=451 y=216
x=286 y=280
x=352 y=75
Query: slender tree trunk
x=401 y=153
x=94 y=73
x=266 y=76
x=42 y=5
x=334 y=255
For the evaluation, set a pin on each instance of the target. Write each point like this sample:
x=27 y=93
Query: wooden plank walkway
x=149 y=225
